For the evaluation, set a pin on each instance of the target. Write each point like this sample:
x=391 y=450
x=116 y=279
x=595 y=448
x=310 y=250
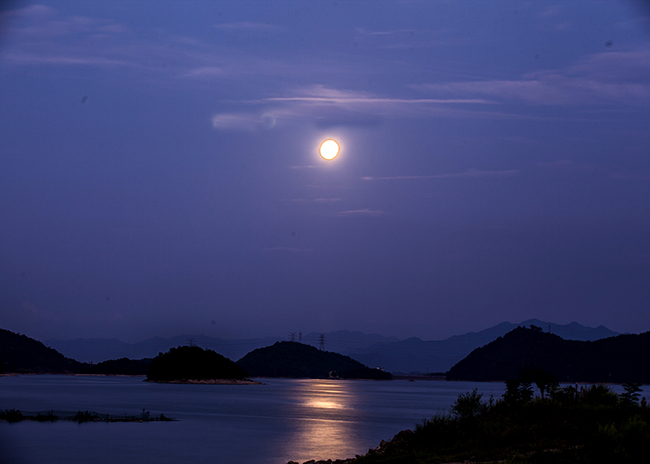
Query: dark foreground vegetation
x=297 y=360
x=566 y=425
x=193 y=363
x=15 y=415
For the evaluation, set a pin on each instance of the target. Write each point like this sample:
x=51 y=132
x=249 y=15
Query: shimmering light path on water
x=245 y=424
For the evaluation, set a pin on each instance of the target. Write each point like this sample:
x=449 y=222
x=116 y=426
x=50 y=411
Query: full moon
x=329 y=149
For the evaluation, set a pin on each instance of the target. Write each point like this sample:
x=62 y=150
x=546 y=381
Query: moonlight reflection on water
x=328 y=423
x=274 y=423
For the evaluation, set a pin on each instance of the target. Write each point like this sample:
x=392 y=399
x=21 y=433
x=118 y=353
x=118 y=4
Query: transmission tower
x=322 y=342
x=300 y=337
x=190 y=341
x=293 y=336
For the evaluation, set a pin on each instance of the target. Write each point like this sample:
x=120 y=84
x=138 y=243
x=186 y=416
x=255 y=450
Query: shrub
x=468 y=405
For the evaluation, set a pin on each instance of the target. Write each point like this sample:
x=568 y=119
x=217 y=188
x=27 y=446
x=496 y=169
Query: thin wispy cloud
x=41 y=36
x=319 y=103
x=470 y=173
x=327 y=200
x=361 y=212
x=29 y=11
x=319 y=94
x=240 y=121
x=246 y=26
x=28 y=58
x=289 y=249
x=608 y=77
x=400 y=39
x=206 y=71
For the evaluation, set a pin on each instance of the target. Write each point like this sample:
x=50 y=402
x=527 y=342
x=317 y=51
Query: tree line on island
x=618 y=359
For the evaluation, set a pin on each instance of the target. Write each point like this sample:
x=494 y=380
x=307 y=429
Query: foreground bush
x=570 y=425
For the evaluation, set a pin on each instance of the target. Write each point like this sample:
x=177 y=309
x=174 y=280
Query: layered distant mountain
x=100 y=349
x=417 y=355
x=619 y=359
x=390 y=353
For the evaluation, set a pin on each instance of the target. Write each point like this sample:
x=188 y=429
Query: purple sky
x=159 y=166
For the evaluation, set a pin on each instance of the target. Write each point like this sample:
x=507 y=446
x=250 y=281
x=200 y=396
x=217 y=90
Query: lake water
x=273 y=423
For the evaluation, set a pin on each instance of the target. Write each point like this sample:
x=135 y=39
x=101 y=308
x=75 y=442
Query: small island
x=195 y=365
x=299 y=361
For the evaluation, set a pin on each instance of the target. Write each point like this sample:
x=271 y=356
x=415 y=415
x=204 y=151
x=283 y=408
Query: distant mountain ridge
x=390 y=353
x=417 y=355
x=101 y=349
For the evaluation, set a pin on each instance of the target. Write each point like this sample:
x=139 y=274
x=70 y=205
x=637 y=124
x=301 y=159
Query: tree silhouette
x=631 y=395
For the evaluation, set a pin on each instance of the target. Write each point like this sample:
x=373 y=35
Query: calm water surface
x=273 y=423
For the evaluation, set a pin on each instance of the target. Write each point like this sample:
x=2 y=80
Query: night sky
x=159 y=166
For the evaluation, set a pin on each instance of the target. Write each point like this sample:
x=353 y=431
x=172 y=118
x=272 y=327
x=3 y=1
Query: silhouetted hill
x=193 y=363
x=410 y=355
x=619 y=359
x=417 y=355
x=21 y=354
x=296 y=360
x=99 y=349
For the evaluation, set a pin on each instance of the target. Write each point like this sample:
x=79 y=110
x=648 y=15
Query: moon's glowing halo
x=329 y=149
